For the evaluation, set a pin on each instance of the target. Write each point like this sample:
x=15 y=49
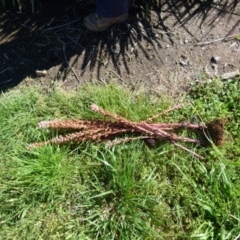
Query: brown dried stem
x=100 y=130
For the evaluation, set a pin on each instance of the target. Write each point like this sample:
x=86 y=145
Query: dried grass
x=102 y=130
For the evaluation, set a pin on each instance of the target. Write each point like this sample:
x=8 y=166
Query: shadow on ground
x=55 y=39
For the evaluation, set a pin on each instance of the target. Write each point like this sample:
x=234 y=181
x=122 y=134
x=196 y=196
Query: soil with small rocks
x=163 y=47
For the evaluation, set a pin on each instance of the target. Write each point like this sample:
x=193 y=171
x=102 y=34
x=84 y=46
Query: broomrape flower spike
x=101 y=130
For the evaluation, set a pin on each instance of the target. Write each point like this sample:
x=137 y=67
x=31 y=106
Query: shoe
x=130 y=3
x=95 y=23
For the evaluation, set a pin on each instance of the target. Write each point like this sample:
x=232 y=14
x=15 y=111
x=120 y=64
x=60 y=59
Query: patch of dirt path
x=178 y=43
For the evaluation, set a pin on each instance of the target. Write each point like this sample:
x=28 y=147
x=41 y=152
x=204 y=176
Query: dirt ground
x=164 y=48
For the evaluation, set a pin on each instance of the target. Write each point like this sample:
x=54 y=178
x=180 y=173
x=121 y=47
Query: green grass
x=130 y=191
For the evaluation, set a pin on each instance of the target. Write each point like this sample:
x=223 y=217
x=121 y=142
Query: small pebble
x=215 y=59
x=42 y=73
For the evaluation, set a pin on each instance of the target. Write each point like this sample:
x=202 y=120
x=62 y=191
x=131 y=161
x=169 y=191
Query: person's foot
x=96 y=23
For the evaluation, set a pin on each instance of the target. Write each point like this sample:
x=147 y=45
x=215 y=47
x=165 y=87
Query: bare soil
x=163 y=48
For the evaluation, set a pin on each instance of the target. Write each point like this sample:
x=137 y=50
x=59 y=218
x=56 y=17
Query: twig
x=70 y=65
x=75 y=42
x=63 y=25
x=5 y=70
x=143 y=127
x=25 y=26
x=160 y=133
x=188 y=150
x=171 y=126
x=216 y=40
x=96 y=108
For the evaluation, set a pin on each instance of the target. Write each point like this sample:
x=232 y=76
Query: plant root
x=214 y=133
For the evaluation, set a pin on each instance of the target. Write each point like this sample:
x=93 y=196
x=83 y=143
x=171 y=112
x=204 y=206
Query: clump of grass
x=120 y=204
x=129 y=191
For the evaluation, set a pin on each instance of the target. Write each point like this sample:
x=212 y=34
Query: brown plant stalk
x=101 y=130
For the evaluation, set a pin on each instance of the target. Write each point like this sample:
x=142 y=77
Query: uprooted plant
x=102 y=130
